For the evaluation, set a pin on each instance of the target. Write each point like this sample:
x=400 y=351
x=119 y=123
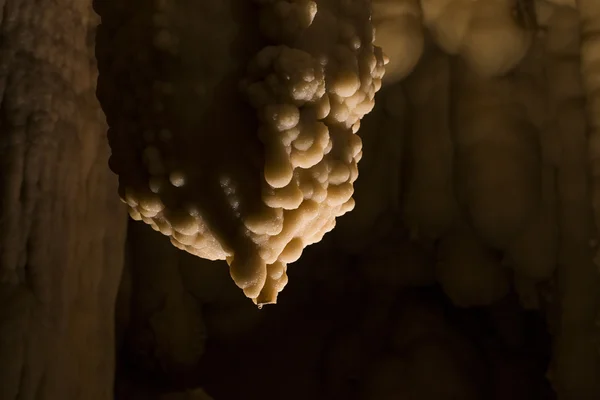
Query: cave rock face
x=63 y=228
x=479 y=172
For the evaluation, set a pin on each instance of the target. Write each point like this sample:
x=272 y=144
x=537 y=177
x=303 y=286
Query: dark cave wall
x=62 y=227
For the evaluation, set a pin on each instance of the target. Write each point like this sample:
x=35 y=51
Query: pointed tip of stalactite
x=260 y=304
x=265 y=299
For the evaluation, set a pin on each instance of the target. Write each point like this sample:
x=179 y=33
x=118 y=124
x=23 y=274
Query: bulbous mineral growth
x=233 y=125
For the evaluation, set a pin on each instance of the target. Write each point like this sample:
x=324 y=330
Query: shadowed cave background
x=336 y=332
x=90 y=299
